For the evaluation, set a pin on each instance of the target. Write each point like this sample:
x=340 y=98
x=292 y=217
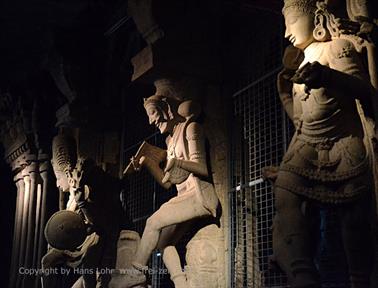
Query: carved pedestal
x=205 y=258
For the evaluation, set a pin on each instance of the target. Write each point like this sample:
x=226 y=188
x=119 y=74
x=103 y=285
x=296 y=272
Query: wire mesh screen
x=259 y=140
x=262 y=144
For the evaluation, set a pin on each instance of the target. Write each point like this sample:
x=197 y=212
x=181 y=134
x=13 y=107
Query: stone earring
x=320 y=33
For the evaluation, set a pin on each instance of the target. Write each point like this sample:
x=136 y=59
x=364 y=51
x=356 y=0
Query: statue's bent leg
x=291 y=240
x=91 y=262
x=108 y=259
x=170 y=213
x=169 y=237
x=172 y=261
x=52 y=259
x=357 y=238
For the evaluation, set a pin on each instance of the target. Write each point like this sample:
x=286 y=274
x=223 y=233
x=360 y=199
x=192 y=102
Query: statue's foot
x=180 y=280
x=127 y=278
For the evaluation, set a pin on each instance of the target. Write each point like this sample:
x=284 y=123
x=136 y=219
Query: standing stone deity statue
x=328 y=162
x=185 y=166
x=93 y=198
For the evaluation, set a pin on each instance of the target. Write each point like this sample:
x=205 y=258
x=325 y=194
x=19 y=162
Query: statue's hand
x=311 y=74
x=75 y=178
x=138 y=163
x=80 y=197
x=170 y=164
x=174 y=173
x=286 y=74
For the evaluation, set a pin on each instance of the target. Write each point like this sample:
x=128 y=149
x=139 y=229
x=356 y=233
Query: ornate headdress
x=64 y=156
x=307 y=6
x=157 y=100
x=168 y=104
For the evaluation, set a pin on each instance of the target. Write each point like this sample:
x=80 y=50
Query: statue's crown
x=64 y=155
x=154 y=99
x=301 y=5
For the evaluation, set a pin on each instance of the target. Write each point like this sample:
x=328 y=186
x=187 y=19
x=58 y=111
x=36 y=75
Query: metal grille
x=259 y=141
x=259 y=113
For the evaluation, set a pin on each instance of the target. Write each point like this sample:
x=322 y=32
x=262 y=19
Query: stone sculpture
x=328 y=161
x=186 y=168
x=94 y=195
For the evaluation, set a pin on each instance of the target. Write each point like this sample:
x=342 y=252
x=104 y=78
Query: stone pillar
x=18 y=179
x=30 y=217
x=31 y=169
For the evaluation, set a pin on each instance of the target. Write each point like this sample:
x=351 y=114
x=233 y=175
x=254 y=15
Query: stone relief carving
x=184 y=166
x=330 y=158
x=203 y=258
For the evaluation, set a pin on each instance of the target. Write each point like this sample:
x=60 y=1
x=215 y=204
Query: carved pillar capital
x=18 y=177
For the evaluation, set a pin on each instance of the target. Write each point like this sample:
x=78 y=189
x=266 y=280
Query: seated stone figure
x=328 y=160
x=94 y=195
x=185 y=167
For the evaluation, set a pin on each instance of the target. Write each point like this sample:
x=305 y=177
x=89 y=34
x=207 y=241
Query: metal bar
x=249 y=185
x=140 y=142
x=117 y=25
x=140 y=218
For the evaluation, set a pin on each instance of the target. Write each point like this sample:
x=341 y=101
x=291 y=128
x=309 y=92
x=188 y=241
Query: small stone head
x=162 y=112
x=64 y=159
x=299 y=20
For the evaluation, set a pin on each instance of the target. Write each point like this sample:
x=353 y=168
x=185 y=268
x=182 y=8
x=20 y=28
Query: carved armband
x=196 y=146
x=195 y=137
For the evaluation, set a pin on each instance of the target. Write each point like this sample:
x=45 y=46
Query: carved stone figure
x=186 y=168
x=328 y=159
x=94 y=195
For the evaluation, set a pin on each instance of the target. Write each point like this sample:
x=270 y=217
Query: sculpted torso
x=329 y=141
x=327 y=112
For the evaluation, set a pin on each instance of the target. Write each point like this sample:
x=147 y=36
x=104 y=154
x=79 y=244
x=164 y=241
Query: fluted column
x=33 y=173
x=24 y=225
x=34 y=205
x=45 y=172
x=19 y=181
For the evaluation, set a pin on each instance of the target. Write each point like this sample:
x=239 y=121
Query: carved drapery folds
x=31 y=168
